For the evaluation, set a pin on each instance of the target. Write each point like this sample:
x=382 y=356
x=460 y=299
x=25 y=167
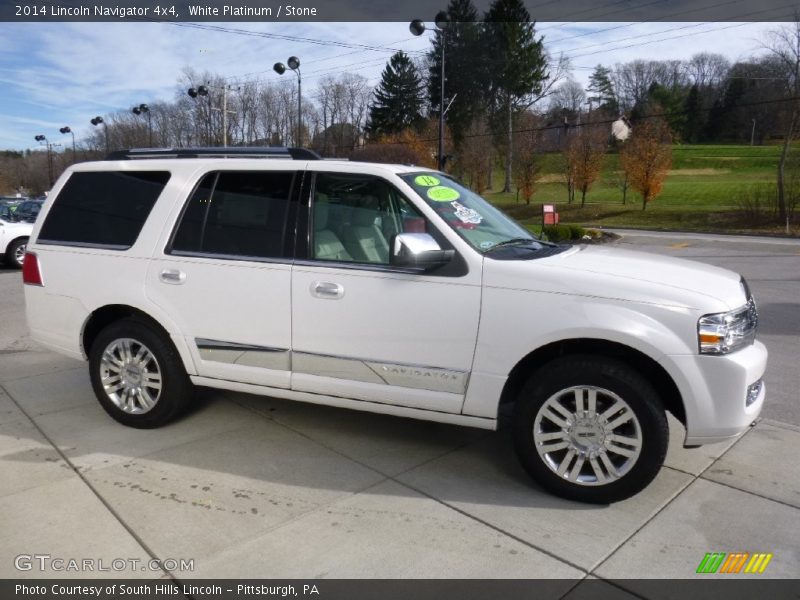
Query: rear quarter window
x=106 y=209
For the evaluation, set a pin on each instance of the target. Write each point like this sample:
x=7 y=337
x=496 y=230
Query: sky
x=63 y=74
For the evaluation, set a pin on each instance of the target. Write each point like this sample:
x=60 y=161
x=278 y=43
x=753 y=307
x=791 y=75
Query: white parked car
x=13 y=241
x=391 y=289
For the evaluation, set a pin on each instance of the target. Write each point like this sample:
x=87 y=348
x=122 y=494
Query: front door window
x=355 y=218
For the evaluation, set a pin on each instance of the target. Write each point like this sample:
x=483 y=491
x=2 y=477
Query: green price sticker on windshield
x=443 y=193
x=426 y=180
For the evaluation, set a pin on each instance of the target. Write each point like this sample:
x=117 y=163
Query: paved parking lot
x=257 y=487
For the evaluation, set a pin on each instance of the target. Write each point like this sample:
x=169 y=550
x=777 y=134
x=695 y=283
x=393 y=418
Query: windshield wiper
x=514 y=241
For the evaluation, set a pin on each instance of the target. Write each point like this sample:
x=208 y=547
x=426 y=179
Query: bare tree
x=706 y=69
x=568 y=96
x=527 y=144
x=633 y=80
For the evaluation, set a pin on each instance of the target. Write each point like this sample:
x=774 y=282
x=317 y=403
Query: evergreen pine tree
x=693 y=121
x=398 y=98
x=601 y=91
x=516 y=66
x=464 y=77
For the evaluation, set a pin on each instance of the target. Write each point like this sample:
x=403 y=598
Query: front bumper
x=715 y=392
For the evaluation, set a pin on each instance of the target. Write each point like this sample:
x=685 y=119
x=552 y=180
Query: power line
x=561 y=126
x=326 y=59
x=672 y=37
x=663 y=18
x=279 y=36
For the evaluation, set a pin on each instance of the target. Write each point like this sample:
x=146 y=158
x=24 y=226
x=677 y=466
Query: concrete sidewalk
x=248 y=486
x=256 y=487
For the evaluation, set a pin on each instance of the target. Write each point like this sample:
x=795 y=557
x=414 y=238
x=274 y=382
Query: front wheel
x=137 y=375
x=590 y=429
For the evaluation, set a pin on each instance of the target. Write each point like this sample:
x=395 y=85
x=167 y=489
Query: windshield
x=482 y=225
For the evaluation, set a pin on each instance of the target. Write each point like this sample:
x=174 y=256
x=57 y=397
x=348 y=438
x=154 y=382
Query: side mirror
x=418 y=251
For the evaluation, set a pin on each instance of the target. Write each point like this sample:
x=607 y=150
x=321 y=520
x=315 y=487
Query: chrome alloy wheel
x=131 y=376
x=19 y=254
x=587 y=435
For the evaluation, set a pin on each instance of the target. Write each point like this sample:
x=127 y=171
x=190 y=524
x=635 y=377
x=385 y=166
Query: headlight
x=722 y=333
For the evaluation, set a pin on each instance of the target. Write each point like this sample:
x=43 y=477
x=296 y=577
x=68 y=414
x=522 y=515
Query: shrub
x=557 y=233
x=576 y=232
x=564 y=232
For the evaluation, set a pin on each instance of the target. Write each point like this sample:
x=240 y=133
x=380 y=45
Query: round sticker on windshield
x=426 y=180
x=441 y=193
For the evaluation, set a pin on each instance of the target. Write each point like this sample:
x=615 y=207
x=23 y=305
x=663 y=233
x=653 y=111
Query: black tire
x=15 y=253
x=176 y=390
x=605 y=378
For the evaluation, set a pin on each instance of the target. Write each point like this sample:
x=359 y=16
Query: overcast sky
x=61 y=74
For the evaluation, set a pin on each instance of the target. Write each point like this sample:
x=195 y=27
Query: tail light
x=30 y=270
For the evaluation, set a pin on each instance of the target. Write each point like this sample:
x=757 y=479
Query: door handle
x=327 y=290
x=172 y=276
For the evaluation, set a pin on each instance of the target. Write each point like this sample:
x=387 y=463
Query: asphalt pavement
x=247 y=486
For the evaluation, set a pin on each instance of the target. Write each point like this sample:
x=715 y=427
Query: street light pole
x=417 y=27
x=97 y=121
x=441 y=108
x=202 y=90
x=65 y=130
x=42 y=139
x=753 y=133
x=144 y=109
x=294 y=65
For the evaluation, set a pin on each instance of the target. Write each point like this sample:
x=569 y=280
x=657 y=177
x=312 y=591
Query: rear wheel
x=590 y=429
x=15 y=253
x=137 y=375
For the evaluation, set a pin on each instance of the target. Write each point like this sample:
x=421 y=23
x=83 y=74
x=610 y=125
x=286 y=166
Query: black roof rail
x=228 y=152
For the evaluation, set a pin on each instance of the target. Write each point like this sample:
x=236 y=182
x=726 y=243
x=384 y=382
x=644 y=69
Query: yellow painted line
x=680 y=245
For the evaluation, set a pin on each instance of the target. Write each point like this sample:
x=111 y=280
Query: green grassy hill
x=709 y=188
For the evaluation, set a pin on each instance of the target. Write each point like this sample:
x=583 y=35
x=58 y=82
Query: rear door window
x=105 y=209
x=237 y=214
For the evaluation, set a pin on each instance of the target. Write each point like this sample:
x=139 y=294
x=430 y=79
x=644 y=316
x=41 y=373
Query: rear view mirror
x=418 y=251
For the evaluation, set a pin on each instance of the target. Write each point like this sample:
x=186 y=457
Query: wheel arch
x=14 y=241
x=110 y=313
x=663 y=383
x=18 y=238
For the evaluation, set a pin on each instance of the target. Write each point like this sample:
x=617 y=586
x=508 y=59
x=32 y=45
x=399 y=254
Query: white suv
x=390 y=289
x=13 y=241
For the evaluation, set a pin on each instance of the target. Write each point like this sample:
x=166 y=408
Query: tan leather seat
x=364 y=239
x=327 y=245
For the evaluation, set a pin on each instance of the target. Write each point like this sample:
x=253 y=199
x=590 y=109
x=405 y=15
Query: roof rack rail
x=227 y=152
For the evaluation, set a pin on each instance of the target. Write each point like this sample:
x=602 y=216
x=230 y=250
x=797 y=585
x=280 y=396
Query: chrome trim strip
x=286 y=261
x=206 y=344
x=46 y=242
x=336 y=367
x=277 y=359
x=422 y=377
x=354 y=266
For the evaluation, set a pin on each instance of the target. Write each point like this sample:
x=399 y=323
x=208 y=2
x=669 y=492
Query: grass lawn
x=702 y=192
